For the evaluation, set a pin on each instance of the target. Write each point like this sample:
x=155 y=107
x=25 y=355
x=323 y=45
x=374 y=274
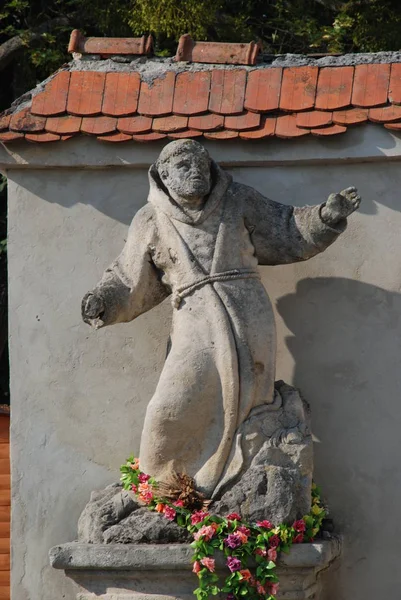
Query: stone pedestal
x=163 y=572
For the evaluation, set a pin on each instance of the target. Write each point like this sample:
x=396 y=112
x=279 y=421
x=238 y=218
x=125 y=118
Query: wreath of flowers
x=261 y=541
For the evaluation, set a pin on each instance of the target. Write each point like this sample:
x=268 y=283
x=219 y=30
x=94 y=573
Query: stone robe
x=221 y=359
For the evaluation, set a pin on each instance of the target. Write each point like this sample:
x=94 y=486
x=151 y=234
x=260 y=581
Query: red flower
x=274 y=589
x=198 y=517
x=134 y=488
x=197 y=567
x=169 y=513
x=261 y=551
x=299 y=526
x=143 y=478
x=244 y=530
x=264 y=524
x=298 y=539
x=261 y=589
x=179 y=503
x=246 y=574
x=274 y=541
x=233 y=517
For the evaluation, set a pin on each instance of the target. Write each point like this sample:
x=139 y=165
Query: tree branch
x=12 y=47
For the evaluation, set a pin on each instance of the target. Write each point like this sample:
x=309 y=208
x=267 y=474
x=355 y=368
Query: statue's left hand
x=340 y=206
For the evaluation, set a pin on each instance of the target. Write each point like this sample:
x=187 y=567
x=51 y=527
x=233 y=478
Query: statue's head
x=184 y=168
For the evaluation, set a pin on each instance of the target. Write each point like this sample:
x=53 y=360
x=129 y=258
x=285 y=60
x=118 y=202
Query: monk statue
x=200 y=239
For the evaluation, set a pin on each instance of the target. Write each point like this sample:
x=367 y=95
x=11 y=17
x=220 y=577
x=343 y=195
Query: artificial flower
x=169 y=513
x=274 y=541
x=264 y=524
x=209 y=563
x=143 y=478
x=198 y=517
x=197 y=567
x=233 y=517
x=246 y=574
x=206 y=533
x=299 y=526
x=233 y=541
x=233 y=563
x=298 y=539
x=160 y=507
x=272 y=554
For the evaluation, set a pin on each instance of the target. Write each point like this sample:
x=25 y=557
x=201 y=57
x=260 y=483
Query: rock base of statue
x=163 y=572
x=272 y=461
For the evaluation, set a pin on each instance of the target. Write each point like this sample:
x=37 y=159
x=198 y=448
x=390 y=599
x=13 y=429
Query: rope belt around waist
x=185 y=290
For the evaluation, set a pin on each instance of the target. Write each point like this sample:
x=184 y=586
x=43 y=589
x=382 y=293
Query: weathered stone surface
x=145 y=527
x=145 y=572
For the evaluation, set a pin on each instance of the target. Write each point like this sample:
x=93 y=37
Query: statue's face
x=187 y=176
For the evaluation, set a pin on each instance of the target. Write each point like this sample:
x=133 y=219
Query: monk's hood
x=160 y=199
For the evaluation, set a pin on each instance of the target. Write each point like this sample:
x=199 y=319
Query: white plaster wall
x=79 y=396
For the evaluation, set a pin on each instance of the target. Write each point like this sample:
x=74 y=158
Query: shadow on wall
x=347 y=347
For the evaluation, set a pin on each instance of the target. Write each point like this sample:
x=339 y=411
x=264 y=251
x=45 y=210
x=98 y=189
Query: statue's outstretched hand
x=92 y=308
x=340 y=206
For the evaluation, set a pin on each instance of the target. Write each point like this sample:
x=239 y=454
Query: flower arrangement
x=239 y=541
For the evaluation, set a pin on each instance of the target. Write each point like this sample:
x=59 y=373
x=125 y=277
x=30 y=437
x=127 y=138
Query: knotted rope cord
x=185 y=290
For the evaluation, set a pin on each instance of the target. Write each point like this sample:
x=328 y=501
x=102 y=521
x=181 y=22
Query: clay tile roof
x=155 y=99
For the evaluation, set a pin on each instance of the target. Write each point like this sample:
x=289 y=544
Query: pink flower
x=260 y=588
x=198 y=517
x=242 y=536
x=169 y=513
x=264 y=524
x=135 y=464
x=244 y=530
x=179 y=503
x=261 y=552
x=145 y=493
x=233 y=541
x=272 y=554
x=274 y=589
x=143 y=478
x=274 y=541
x=206 y=533
x=208 y=563
x=197 y=567
x=134 y=488
x=299 y=526
x=234 y=517
x=298 y=539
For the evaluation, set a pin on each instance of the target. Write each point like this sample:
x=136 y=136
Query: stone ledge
x=147 y=557
x=163 y=572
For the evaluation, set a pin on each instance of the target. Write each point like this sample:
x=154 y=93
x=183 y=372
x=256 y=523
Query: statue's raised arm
x=284 y=234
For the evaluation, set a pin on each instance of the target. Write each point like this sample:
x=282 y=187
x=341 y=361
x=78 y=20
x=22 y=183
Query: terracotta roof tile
x=4 y=122
x=227 y=91
x=286 y=127
x=263 y=90
x=65 y=125
x=385 y=114
x=207 y=122
x=131 y=125
x=191 y=94
x=109 y=46
x=394 y=90
x=226 y=134
x=187 y=133
x=298 y=88
x=169 y=124
x=149 y=137
x=217 y=52
x=393 y=126
x=334 y=88
x=371 y=84
x=53 y=100
x=314 y=118
x=25 y=122
x=352 y=116
x=248 y=120
x=218 y=103
x=42 y=137
x=115 y=137
x=330 y=130
x=121 y=93
x=156 y=99
x=98 y=125
x=85 y=96
x=267 y=129
x=10 y=136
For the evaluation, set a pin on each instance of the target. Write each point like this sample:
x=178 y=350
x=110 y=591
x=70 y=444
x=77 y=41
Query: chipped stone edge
x=156 y=557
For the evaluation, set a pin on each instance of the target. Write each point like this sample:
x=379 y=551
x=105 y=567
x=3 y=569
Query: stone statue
x=200 y=239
